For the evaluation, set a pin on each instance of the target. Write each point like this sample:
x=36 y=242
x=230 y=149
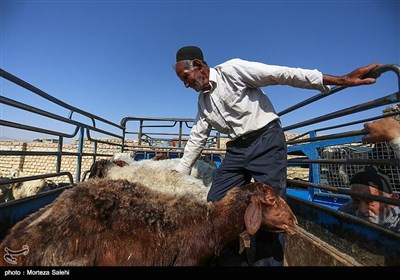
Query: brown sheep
x=104 y=222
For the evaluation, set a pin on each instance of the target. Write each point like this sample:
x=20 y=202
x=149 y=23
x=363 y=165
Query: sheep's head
x=269 y=211
x=100 y=168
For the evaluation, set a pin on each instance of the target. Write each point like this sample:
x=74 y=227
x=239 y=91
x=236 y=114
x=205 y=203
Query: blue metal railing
x=78 y=127
x=311 y=143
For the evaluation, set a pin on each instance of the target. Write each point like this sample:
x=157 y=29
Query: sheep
x=201 y=169
x=29 y=188
x=22 y=189
x=160 y=156
x=5 y=192
x=104 y=222
x=148 y=172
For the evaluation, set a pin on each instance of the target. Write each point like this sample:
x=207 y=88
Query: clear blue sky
x=114 y=58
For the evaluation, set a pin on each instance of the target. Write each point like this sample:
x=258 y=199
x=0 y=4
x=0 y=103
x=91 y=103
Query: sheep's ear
x=94 y=170
x=120 y=163
x=253 y=215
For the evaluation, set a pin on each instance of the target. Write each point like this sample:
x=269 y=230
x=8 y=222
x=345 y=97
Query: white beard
x=198 y=86
x=372 y=217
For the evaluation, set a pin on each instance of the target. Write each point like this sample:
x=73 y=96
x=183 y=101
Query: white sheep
x=157 y=175
x=200 y=170
x=28 y=188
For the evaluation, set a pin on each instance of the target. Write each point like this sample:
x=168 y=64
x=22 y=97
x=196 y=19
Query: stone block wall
x=37 y=165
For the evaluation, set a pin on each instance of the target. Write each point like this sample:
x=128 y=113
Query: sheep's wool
x=158 y=175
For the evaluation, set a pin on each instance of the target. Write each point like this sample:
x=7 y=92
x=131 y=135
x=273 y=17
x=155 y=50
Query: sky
x=115 y=58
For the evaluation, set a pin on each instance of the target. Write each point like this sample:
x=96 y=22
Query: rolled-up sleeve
x=198 y=137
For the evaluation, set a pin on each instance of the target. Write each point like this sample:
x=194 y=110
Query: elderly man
x=374 y=181
x=231 y=100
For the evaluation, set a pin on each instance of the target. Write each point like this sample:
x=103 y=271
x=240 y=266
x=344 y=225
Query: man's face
x=372 y=211
x=192 y=78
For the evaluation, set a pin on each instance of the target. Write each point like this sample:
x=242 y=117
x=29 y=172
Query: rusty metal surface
x=366 y=243
x=305 y=249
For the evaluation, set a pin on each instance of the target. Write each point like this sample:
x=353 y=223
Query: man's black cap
x=374 y=177
x=189 y=53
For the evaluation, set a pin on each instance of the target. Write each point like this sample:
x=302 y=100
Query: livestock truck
x=324 y=151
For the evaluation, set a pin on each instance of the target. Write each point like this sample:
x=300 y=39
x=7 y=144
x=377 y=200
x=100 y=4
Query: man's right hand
x=381 y=130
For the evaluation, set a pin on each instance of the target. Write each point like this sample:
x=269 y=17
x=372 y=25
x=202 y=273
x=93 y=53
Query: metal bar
x=140 y=132
x=100 y=141
x=126 y=119
x=388 y=200
x=374 y=74
x=25 y=107
x=59 y=154
x=36 y=177
x=391 y=161
x=41 y=93
x=46 y=153
x=310 y=100
x=330 y=136
x=188 y=126
x=34 y=153
x=180 y=134
x=358 y=122
x=36 y=129
x=165 y=133
x=172 y=125
x=123 y=142
x=389 y=99
x=35 y=110
x=80 y=156
x=348 y=124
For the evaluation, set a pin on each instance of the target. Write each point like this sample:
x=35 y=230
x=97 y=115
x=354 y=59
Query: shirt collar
x=213 y=75
x=212 y=80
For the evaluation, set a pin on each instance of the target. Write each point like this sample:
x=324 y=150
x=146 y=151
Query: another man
x=231 y=100
x=373 y=181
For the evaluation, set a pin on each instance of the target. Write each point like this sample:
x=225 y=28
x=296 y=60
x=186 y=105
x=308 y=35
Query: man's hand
x=382 y=130
x=354 y=78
